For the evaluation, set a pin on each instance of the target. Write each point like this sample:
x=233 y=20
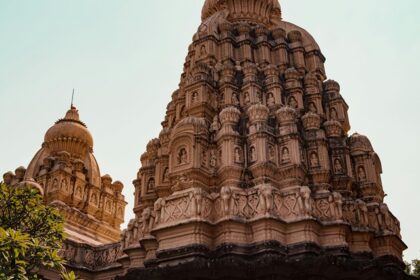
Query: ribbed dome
x=69 y=134
x=257 y=10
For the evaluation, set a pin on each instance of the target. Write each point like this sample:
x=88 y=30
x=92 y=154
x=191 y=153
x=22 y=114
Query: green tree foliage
x=413 y=268
x=31 y=234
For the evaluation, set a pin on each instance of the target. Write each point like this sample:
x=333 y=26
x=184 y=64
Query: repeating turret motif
x=255 y=148
x=254 y=161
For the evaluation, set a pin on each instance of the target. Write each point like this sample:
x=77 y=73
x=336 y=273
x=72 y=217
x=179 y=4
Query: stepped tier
x=254 y=151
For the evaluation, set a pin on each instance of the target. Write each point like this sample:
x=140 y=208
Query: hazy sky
x=125 y=57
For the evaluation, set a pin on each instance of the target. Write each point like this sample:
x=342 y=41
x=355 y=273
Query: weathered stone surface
x=254 y=150
x=253 y=176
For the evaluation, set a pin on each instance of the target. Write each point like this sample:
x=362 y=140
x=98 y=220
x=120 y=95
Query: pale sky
x=125 y=57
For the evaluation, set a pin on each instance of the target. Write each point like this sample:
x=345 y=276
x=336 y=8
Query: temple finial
x=72 y=99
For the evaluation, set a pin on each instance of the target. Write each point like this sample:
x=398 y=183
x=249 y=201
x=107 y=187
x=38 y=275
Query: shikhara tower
x=254 y=159
x=253 y=176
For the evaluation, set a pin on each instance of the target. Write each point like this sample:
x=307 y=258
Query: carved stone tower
x=67 y=171
x=254 y=159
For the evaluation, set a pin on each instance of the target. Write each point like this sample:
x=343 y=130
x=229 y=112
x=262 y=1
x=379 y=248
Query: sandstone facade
x=254 y=167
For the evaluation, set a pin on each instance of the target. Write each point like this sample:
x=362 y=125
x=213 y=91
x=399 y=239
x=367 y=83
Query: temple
x=253 y=176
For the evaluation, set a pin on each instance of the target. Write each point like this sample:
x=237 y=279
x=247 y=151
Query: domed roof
x=257 y=10
x=70 y=137
x=70 y=127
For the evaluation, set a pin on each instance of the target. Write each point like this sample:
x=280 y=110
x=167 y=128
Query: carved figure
x=271 y=153
x=158 y=207
x=252 y=154
x=196 y=198
x=305 y=201
x=266 y=198
x=362 y=213
x=312 y=108
x=314 y=160
x=78 y=191
x=270 y=99
x=259 y=98
x=333 y=114
x=238 y=156
x=293 y=103
x=194 y=97
x=285 y=155
x=182 y=156
x=226 y=196
x=136 y=232
x=166 y=175
x=337 y=205
x=151 y=184
x=386 y=217
x=108 y=206
x=129 y=235
x=94 y=199
x=54 y=185
x=362 y=174
x=146 y=220
x=215 y=126
x=64 y=185
x=213 y=159
x=203 y=50
x=246 y=99
x=235 y=99
x=338 y=167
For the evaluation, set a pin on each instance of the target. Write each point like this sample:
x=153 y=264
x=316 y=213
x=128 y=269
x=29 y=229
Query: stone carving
x=247 y=100
x=166 y=175
x=151 y=184
x=215 y=126
x=362 y=213
x=293 y=103
x=271 y=153
x=384 y=218
x=146 y=220
x=231 y=101
x=196 y=197
x=314 y=160
x=159 y=204
x=182 y=156
x=312 y=108
x=270 y=99
x=266 y=198
x=235 y=99
x=361 y=173
x=213 y=159
x=336 y=201
x=238 y=155
x=305 y=201
x=338 y=166
x=252 y=154
x=227 y=199
x=285 y=156
x=94 y=199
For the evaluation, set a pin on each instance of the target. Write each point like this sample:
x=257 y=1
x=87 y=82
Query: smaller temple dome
x=360 y=144
x=70 y=128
